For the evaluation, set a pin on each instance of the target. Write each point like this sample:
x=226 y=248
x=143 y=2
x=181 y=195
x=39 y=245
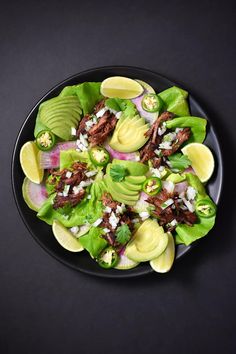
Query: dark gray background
x=48 y=308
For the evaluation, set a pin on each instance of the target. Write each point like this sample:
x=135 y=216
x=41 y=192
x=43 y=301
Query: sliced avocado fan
x=60 y=114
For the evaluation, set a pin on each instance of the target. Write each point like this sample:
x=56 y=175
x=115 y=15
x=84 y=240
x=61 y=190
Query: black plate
x=41 y=231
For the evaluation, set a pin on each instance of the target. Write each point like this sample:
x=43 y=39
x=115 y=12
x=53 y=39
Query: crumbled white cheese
x=113 y=220
x=177 y=130
x=169 y=186
x=73 y=131
x=111 y=110
x=85 y=183
x=89 y=125
x=89 y=196
x=107 y=210
x=135 y=221
x=118 y=114
x=144 y=215
x=162 y=129
x=106 y=230
x=83 y=140
x=97 y=222
x=166 y=145
x=74 y=229
x=169 y=137
x=189 y=205
x=157 y=152
x=60 y=194
x=161 y=168
x=120 y=209
x=68 y=174
x=191 y=193
x=91 y=173
x=100 y=113
x=76 y=189
x=167 y=203
x=137 y=158
x=95 y=119
x=66 y=190
x=172 y=223
x=155 y=172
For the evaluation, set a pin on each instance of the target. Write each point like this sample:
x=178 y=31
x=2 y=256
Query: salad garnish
x=117 y=170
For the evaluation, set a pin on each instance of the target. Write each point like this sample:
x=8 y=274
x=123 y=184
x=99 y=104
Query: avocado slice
x=148 y=243
x=60 y=114
x=120 y=197
x=129 y=135
x=135 y=179
x=120 y=188
x=134 y=168
x=131 y=186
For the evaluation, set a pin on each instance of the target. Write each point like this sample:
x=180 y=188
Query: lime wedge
x=29 y=160
x=202 y=160
x=149 y=88
x=121 y=87
x=163 y=263
x=66 y=238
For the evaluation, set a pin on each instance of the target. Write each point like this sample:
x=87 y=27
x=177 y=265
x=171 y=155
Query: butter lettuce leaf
x=93 y=241
x=175 y=101
x=87 y=211
x=196 y=124
x=126 y=106
x=87 y=92
x=68 y=157
x=188 y=234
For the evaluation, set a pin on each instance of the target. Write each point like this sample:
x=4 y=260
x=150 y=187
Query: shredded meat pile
x=77 y=175
x=181 y=137
x=172 y=212
x=123 y=219
x=148 y=151
x=99 y=132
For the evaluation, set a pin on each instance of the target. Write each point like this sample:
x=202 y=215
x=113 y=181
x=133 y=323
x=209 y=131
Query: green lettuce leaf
x=93 y=242
x=175 y=101
x=87 y=92
x=197 y=125
x=87 y=211
x=188 y=234
x=68 y=157
x=126 y=106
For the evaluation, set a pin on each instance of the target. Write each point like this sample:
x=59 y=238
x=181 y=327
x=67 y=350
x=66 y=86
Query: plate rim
x=119 y=274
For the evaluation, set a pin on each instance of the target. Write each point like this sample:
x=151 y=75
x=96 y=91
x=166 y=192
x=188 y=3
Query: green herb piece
x=123 y=234
x=118 y=173
x=179 y=161
x=119 y=104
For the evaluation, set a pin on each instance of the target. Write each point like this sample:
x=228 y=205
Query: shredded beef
x=109 y=202
x=147 y=152
x=156 y=162
x=172 y=212
x=82 y=125
x=99 y=106
x=100 y=131
x=71 y=200
x=181 y=137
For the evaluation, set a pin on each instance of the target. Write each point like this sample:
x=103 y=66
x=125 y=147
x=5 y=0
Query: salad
x=119 y=170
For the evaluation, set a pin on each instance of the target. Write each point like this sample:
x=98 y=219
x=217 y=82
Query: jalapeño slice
x=45 y=140
x=151 y=102
x=108 y=258
x=152 y=186
x=205 y=208
x=99 y=156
